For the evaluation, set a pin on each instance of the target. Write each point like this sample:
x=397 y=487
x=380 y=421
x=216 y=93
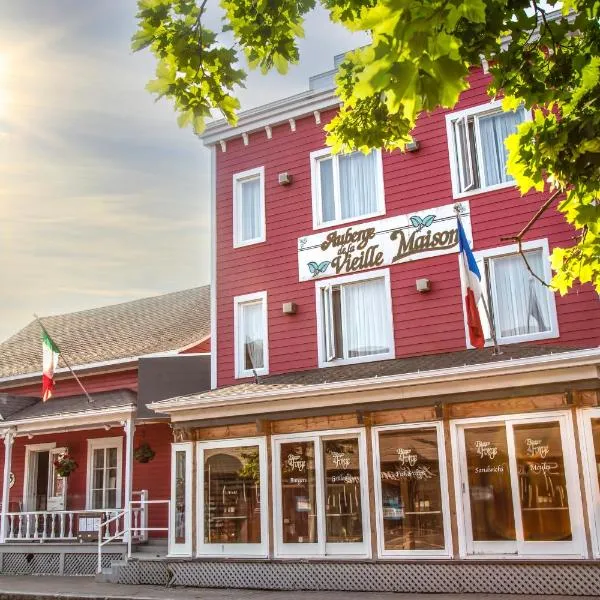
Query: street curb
x=5 y=595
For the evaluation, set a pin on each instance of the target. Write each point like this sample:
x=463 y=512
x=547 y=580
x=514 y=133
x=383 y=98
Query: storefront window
x=298 y=493
x=343 y=513
x=180 y=496
x=232 y=496
x=411 y=499
x=490 y=493
x=542 y=482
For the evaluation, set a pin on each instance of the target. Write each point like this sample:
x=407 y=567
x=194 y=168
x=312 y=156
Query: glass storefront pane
x=492 y=515
x=180 y=489
x=410 y=490
x=542 y=482
x=343 y=514
x=298 y=489
x=232 y=496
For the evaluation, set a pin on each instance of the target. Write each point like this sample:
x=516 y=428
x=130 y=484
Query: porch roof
x=71 y=406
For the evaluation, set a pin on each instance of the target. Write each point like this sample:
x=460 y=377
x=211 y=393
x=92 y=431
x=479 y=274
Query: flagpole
x=61 y=355
x=483 y=300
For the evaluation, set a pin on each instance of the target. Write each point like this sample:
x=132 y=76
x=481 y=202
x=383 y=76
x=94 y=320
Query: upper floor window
x=251 y=337
x=476 y=143
x=354 y=319
x=346 y=187
x=249 y=207
x=521 y=307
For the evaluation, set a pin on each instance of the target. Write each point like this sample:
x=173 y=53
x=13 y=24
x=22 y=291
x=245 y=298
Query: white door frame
x=234 y=550
x=30 y=472
x=185 y=548
x=438 y=427
x=321 y=549
x=590 y=473
x=531 y=549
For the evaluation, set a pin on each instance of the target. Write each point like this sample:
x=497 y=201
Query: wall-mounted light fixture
x=413 y=145
x=289 y=308
x=423 y=285
x=284 y=178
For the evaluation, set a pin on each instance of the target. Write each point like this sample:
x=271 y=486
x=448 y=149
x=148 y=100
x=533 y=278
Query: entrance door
x=321 y=489
x=57 y=485
x=519 y=486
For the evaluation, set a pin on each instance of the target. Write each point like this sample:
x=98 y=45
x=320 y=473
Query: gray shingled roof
x=399 y=366
x=9 y=405
x=72 y=405
x=127 y=330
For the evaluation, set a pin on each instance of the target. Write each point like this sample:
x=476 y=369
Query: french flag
x=471 y=278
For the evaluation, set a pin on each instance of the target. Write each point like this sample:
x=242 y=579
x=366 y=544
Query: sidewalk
x=85 y=588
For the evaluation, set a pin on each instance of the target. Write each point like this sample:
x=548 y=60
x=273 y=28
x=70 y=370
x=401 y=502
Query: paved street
x=56 y=588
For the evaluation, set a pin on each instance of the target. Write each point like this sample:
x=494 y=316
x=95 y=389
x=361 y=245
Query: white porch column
x=129 y=427
x=9 y=438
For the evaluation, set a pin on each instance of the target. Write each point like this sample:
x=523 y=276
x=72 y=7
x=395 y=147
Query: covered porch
x=67 y=472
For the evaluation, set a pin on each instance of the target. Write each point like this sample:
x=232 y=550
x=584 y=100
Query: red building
x=125 y=355
x=349 y=418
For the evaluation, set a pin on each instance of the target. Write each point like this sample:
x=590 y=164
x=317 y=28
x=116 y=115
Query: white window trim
x=320 y=547
x=185 y=548
x=590 y=474
x=316 y=189
x=499 y=251
x=237 y=212
x=240 y=372
x=353 y=278
x=259 y=550
x=99 y=444
x=578 y=542
x=438 y=427
x=488 y=108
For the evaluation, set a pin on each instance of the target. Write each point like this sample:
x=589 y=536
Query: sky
x=103 y=199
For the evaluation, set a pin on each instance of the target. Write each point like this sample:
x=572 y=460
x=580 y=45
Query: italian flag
x=50 y=362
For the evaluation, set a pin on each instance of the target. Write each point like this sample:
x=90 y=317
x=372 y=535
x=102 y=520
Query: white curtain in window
x=251 y=214
x=327 y=193
x=358 y=184
x=365 y=318
x=253 y=335
x=494 y=129
x=521 y=305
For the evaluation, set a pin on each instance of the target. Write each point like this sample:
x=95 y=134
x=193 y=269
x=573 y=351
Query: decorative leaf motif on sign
x=316 y=268
x=420 y=223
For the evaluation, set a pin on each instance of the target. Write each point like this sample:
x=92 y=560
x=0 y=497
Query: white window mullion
x=336 y=187
x=479 y=150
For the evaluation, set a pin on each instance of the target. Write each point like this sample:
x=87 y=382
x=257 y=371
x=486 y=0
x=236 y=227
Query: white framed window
x=251 y=335
x=104 y=473
x=476 y=146
x=346 y=187
x=180 y=532
x=521 y=307
x=354 y=318
x=249 y=207
x=320 y=489
x=589 y=437
x=517 y=483
x=411 y=483
x=233 y=514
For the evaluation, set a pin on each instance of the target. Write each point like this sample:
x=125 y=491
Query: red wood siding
x=424 y=323
x=67 y=386
x=154 y=476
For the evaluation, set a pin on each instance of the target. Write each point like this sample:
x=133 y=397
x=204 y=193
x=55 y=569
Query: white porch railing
x=138 y=525
x=57 y=525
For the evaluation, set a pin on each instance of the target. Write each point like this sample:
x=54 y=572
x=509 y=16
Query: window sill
x=361 y=359
x=520 y=339
x=335 y=224
x=250 y=374
x=252 y=242
x=491 y=188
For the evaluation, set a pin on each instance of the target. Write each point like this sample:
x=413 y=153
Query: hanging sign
x=355 y=248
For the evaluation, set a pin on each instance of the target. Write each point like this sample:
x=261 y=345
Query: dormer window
x=346 y=187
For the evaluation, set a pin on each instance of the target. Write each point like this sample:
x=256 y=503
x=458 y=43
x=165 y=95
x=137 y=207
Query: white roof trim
x=511 y=366
x=274 y=113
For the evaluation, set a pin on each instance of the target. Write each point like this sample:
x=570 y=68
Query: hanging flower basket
x=65 y=465
x=143 y=453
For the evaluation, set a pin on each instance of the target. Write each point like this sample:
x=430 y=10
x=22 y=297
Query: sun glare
x=3 y=86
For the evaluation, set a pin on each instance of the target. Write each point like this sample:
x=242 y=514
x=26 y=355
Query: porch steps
x=153 y=549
